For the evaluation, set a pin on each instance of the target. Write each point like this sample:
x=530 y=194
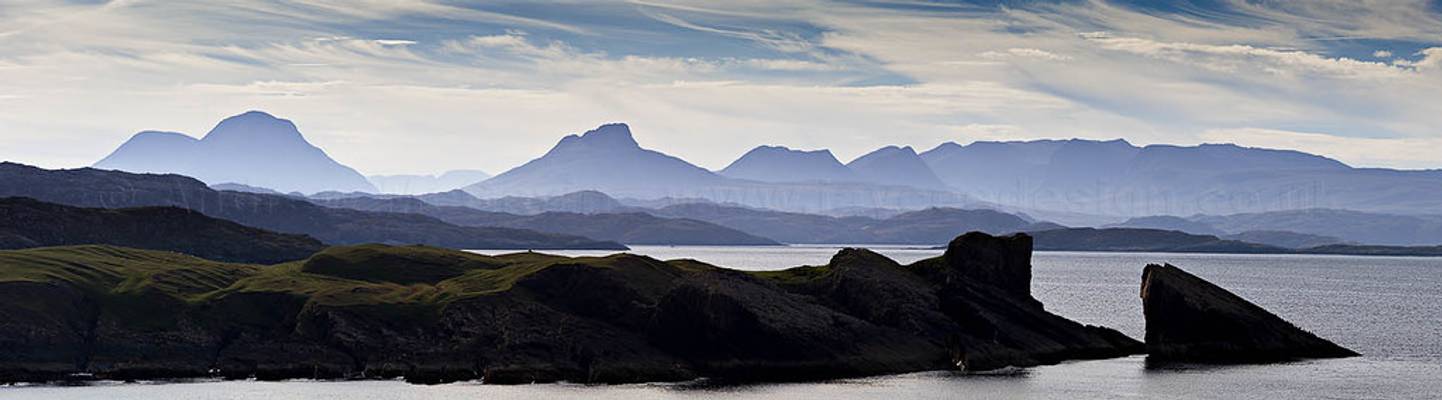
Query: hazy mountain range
x=422 y=184
x=596 y=215
x=608 y=159
x=254 y=148
x=1117 y=178
x=1048 y=177
x=896 y=166
x=95 y=188
x=779 y=164
x=373 y=218
x=1280 y=197
x=1168 y=241
x=638 y=228
x=1319 y=225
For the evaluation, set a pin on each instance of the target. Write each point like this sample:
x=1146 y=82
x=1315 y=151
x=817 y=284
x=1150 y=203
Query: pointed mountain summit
x=605 y=159
x=780 y=165
x=898 y=166
x=254 y=148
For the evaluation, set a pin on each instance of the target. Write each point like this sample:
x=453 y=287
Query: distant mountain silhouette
x=1285 y=239
x=869 y=212
x=628 y=228
x=782 y=165
x=688 y=221
x=924 y=227
x=1274 y=235
x=89 y=187
x=254 y=148
x=893 y=165
x=236 y=187
x=1170 y=223
x=1164 y=241
x=422 y=184
x=608 y=159
x=583 y=202
x=1143 y=240
x=1350 y=226
x=1117 y=178
x=1078 y=182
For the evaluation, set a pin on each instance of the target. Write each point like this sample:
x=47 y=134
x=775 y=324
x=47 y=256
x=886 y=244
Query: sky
x=394 y=87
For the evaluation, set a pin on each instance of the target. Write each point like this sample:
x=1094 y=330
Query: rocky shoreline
x=429 y=315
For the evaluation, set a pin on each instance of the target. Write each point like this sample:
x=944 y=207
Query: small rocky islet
x=1190 y=320
x=431 y=315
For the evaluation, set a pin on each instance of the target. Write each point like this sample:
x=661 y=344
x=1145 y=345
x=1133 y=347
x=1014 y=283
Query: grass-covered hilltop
x=434 y=315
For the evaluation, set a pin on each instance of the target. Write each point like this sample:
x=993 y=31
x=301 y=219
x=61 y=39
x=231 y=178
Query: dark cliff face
x=1192 y=320
x=434 y=315
x=1004 y=262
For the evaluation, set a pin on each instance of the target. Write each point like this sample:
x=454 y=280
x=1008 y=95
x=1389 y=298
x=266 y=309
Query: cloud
x=1023 y=53
x=1351 y=19
x=486 y=86
x=779 y=40
x=1243 y=58
x=1429 y=59
x=790 y=65
x=1400 y=152
x=372 y=10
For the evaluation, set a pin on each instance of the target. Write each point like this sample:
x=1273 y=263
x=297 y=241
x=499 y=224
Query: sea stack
x=1192 y=320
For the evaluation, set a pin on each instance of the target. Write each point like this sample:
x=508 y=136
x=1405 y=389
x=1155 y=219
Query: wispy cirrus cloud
x=491 y=85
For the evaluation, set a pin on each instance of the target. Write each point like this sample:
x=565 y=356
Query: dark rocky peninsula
x=434 y=315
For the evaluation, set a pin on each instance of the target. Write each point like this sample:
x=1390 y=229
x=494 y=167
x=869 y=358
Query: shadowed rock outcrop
x=1192 y=320
x=432 y=315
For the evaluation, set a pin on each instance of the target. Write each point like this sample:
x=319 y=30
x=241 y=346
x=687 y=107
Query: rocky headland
x=433 y=315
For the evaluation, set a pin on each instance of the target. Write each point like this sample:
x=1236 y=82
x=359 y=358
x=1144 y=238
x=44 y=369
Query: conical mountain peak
x=605 y=159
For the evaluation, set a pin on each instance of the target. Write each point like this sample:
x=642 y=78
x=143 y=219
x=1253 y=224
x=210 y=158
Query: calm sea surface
x=1389 y=309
